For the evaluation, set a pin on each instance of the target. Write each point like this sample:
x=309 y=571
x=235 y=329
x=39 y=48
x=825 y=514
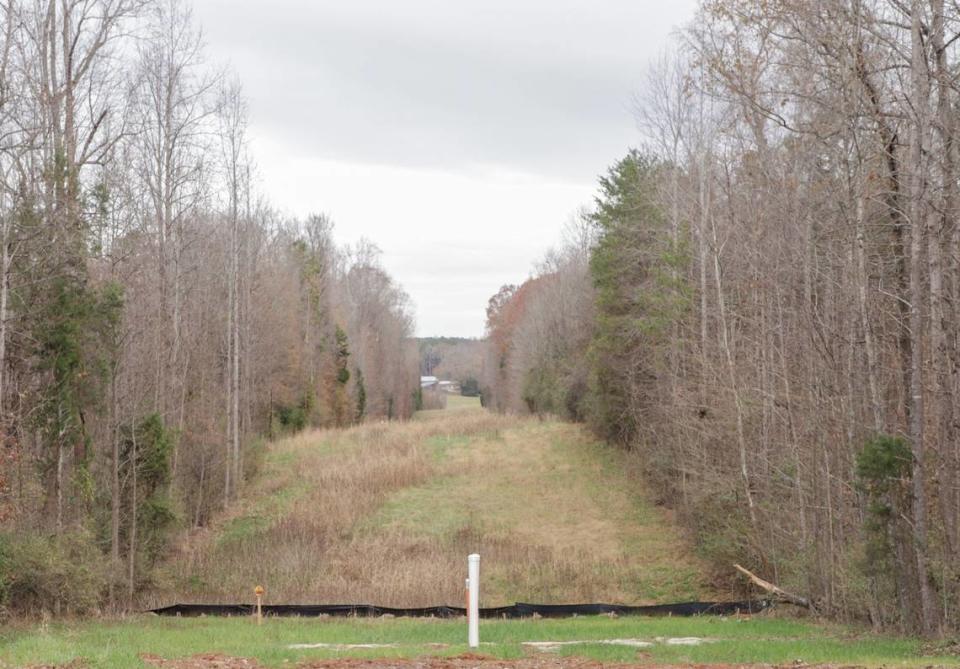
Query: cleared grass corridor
x=386 y=513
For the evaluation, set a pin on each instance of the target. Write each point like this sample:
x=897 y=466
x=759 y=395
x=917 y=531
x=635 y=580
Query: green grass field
x=112 y=645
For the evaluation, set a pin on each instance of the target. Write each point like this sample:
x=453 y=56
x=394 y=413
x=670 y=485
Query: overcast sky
x=458 y=135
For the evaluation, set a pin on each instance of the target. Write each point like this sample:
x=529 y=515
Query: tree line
x=763 y=301
x=453 y=359
x=158 y=317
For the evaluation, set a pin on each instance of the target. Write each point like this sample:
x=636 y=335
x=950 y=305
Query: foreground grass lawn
x=759 y=640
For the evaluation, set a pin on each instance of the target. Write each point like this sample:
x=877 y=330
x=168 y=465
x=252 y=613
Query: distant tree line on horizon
x=157 y=317
x=763 y=302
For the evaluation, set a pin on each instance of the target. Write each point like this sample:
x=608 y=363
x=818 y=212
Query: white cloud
x=457 y=135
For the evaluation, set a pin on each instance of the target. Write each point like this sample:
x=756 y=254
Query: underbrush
x=53 y=575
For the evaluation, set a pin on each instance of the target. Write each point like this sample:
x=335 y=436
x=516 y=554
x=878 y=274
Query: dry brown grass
x=386 y=513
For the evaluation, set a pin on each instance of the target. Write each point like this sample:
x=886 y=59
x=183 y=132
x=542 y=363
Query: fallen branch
x=778 y=592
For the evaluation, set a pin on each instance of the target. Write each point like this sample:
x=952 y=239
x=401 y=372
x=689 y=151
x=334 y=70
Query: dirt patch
x=201 y=661
x=466 y=661
x=554 y=646
x=470 y=661
x=341 y=646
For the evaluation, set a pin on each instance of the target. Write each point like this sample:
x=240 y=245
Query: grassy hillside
x=386 y=514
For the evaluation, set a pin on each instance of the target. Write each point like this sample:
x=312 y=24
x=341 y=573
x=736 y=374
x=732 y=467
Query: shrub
x=65 y=575
x=470 y=387
x=884 y=469
x=296 y=417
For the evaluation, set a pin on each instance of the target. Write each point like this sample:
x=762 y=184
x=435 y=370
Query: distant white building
x=433 y=383
x=451 y=387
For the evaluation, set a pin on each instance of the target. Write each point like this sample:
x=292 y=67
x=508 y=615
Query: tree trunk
x=132 y=547
x=114 y=486
x=4 y=296
x=918 y=212
x=941 y=345
x=235 y=328
x=875 y=403
x=732 y=376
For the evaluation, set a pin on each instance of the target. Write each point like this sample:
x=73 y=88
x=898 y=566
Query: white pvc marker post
x=473 y=601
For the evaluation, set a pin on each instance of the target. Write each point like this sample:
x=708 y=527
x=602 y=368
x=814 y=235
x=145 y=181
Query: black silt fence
x=518 y=610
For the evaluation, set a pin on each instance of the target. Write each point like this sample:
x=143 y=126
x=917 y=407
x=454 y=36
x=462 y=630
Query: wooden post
x=258 y=591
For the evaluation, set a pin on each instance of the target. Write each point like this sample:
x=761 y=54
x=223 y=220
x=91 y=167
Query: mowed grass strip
x=116 y=645
x=385 y=513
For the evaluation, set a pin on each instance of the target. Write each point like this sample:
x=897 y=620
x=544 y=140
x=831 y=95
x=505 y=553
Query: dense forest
x=763 y=301
x=158 y=317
